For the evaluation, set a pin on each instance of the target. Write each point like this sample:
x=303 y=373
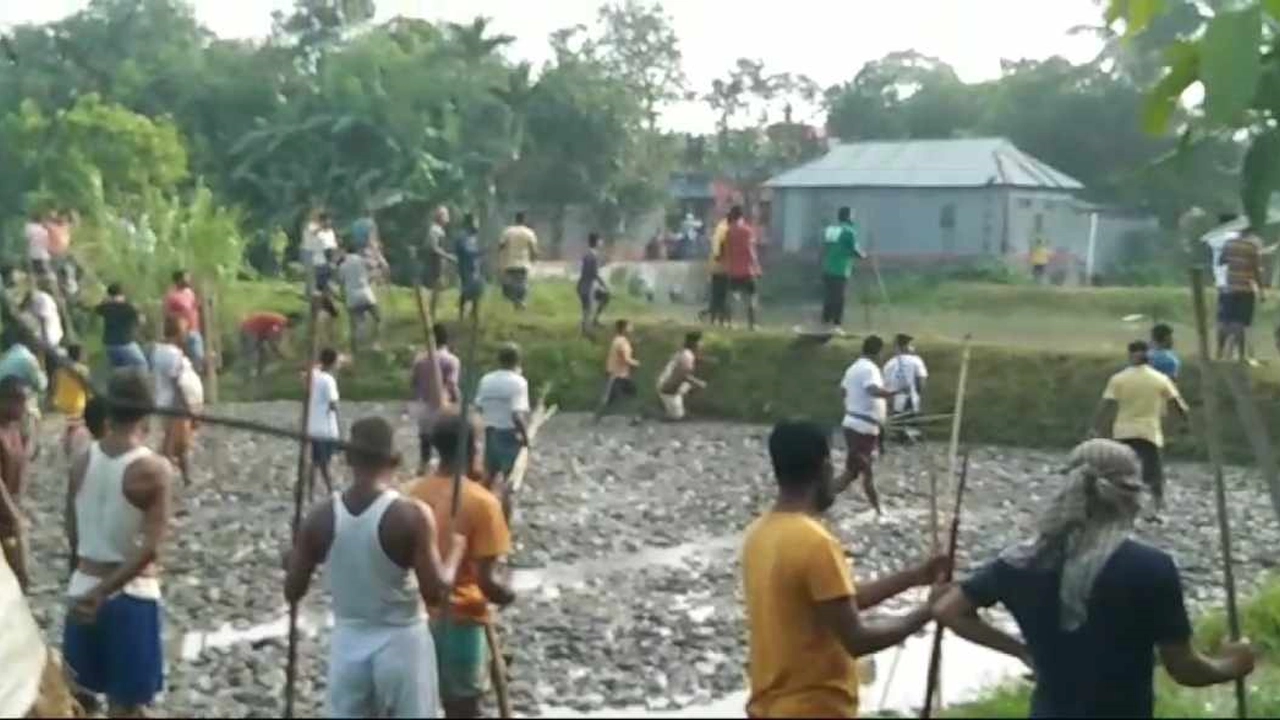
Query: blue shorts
x=322 y=451
x=195 y=347
x=500 y=450
x=120 y=654
x=126 y=356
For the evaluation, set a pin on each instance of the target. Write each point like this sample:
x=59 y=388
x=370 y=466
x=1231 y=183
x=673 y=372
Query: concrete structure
x=926 y=201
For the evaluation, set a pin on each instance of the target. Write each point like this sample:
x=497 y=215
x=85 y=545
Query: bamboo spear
x=934 y=678
x=1209 y=384
x=291 y=666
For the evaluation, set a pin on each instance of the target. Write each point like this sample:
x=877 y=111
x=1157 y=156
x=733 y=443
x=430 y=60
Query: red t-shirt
x=264 y=325
x=740 y=252
x=182 y=303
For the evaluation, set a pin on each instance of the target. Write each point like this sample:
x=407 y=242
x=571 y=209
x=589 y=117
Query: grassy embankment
x=1020 y=393
x=1260 y=618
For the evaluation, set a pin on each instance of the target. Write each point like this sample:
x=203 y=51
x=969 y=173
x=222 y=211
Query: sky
x=828 y=40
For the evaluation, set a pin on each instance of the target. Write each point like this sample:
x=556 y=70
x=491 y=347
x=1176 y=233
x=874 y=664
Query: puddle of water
x=967 y=670
x=525 y=580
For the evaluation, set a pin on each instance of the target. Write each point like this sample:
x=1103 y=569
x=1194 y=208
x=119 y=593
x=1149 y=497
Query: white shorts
x=383 y=672
x=674 y=404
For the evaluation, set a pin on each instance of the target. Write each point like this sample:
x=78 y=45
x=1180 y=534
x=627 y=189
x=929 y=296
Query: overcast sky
x=827 y=40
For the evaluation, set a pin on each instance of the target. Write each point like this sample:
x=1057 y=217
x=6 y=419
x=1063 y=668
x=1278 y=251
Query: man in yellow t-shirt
x=1040 y=256
x=70 y=397
x=618 y=365
x=717 y=311
x=804 y=629
x=517 y=249
x=459 y=633
x=1132 y=409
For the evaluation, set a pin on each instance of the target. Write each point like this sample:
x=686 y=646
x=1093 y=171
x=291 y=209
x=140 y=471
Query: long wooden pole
x=934 y=678
x=1209 y=389
x=953 y=447
x=304 y=466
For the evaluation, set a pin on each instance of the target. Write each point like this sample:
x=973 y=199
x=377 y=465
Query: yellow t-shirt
x=717 y=242
x=1141 y=393
x=618 y=364
x=517 y=246
x=797 y=668
x=69 y=396
x=1040 y=255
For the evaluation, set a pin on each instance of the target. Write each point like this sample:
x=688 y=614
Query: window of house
x=1024 y=203
x=947 y=217
x=1039 y=223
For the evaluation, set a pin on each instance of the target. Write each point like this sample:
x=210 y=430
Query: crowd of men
x=413 y=568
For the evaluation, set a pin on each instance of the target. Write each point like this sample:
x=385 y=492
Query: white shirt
x=902 y=373
x=324 y=395
x=37 y=241
x=166 y=366
x=324 y=240
x=354 y=272
x=45 y=308
x=860 y=376
x=501 y=394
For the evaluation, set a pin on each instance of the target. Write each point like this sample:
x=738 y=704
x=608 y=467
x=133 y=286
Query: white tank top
x=367 y=587
x=108 y=526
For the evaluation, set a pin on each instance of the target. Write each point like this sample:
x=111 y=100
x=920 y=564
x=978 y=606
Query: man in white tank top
x=381 y=562
x=117 y=518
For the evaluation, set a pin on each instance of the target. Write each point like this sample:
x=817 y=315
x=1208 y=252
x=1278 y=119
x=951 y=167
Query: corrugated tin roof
x=927 y=163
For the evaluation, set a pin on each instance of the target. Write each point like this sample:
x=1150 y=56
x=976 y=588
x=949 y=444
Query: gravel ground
x=626 y=544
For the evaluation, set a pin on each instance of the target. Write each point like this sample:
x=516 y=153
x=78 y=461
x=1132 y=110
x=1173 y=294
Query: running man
x=517 y=249
x=864 y=417
x=435 y=390
x=805 y=633
x=18 y=361
x=905 y=375
x=502 y=397
x=14 y=455
x=1132 y=410
x=461 y=648
x=1162 y=356
x=382 y=562
x=172 y=368
x=470 y=281
x=1242 y=257
x=357 y=289
x=324 y=429
x=436 y=254
x=677 y=378
x=181 y=303
x=840 y=248
x=741 y=261
x=120 y=321
x=618 y=365
x=1093 y=605
x=593 y=293
x=117 y=519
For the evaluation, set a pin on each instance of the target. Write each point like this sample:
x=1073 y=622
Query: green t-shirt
x=839 y=249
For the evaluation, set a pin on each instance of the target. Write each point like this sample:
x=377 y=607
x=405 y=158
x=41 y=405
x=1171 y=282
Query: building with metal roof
x=939 y=200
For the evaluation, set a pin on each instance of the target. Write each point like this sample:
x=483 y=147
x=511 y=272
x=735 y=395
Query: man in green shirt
x=839 y=248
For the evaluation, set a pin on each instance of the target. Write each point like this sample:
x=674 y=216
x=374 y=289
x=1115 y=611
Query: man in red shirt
x=740 y=261
x=259 y=332
x=181 y=303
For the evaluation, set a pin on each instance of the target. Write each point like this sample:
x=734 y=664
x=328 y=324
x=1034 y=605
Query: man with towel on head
x=382 y=561
x=1092 y=603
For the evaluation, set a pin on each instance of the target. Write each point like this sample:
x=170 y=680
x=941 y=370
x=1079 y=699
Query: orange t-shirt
x=481 y=521
x=618 y=364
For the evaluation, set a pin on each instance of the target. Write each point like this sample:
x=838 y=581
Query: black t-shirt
x=119 y=321
x=1104 y=668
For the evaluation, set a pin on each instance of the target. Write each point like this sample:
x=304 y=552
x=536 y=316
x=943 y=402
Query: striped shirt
x=1242 y=257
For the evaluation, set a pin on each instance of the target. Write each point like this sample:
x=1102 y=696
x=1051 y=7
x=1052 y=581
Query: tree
x=902 y=95
x=1232 y=53
x=639 y=46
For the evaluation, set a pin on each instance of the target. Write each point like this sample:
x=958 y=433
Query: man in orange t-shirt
x=618 y=365
x=459 y=630
x=259 y=332
x=741 y=262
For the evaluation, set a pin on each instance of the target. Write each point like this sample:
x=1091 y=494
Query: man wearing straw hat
x=1093 y=604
